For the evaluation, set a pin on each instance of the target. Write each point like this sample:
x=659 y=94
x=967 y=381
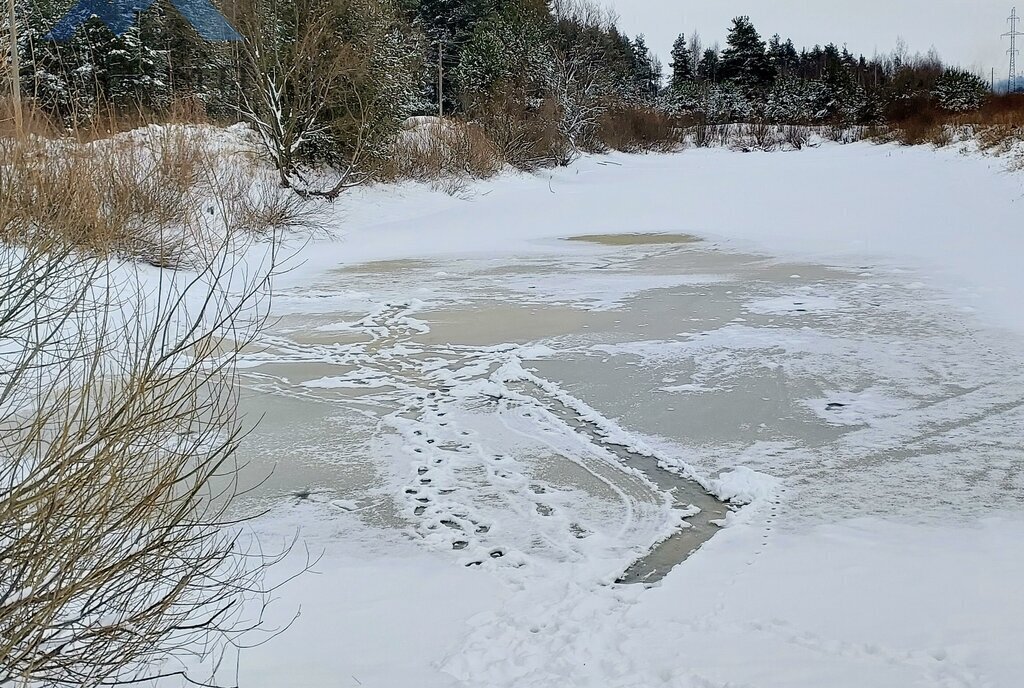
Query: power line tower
x=1011 y=84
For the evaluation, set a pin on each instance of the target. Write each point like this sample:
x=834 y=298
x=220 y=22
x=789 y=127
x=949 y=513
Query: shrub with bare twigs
x=118 y=403
x=121 y=552
x=445 y=152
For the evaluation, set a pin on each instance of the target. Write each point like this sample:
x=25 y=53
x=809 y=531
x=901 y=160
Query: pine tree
x=744 y=59
x=709 y=67
x=958 y=90
x=782 y=56
x=508 y=47
x=646 y=70
x=682 y=63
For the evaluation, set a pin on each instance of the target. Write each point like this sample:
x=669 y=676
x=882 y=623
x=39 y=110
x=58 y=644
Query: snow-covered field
x=474 y=406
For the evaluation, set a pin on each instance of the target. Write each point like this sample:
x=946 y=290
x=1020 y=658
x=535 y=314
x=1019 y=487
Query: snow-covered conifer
x=958 y=90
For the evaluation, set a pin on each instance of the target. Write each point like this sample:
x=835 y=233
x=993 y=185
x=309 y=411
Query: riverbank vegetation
x=525 y=83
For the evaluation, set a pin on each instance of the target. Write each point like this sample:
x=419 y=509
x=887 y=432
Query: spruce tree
x=744 y=59
x=646 y=70
x=682 y=64
x=709 y=67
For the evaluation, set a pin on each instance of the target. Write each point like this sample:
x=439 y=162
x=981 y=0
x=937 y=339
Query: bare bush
x=701 y=133
x=294 y=81
x=445 y=152
x=637 y=129
x=118 y=409
x=525 y=135
x=325 y=85
x=763 y=135
x=579 y=101
x=725 y=135
x=797 y=136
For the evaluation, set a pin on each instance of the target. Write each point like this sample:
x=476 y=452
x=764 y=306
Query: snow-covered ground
x=454 y=383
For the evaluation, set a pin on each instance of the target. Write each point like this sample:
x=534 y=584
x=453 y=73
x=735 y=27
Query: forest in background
x=527 y=83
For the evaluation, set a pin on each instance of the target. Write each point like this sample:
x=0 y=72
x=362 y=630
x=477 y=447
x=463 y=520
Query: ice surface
x=869 y=412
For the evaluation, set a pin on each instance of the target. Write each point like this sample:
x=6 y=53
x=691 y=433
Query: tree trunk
x=15 y=68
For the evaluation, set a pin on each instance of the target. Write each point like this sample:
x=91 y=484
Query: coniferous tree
x=709 y=68
x=782 y=56
x=958 y=90
x=682 y=63
x=448 y=26
x=507 y=47
x=744 y=59
x=646 y=71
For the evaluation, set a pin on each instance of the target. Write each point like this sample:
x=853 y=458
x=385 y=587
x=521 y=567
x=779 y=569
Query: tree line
x=332 y=81
x=772 y=80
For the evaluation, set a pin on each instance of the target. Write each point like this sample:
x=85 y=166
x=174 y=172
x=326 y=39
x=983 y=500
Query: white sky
x=963 y=31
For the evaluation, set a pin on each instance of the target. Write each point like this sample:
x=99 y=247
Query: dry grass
x=102 y=121
x=162 y=194
x=998 y=126
x=638 y=130
x=446 y=153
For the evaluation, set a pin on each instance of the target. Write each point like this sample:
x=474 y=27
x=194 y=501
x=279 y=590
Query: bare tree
x=696 y=48
x=585 y=13
x=576 y=87
x=298 y=78
x=118 y=429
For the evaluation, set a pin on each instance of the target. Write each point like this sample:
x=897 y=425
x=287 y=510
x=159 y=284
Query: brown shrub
x=524 y=135
x=160 y=194
x=998 y=124
x=636 y=129
x=447 y=152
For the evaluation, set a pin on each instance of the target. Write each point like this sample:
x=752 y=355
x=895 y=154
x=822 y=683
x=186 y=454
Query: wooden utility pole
x=15 y=67
x=440 y=76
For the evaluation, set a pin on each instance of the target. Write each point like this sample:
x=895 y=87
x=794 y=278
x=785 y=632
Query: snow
x=743 y=485
x=492 y=561
x=940 y=211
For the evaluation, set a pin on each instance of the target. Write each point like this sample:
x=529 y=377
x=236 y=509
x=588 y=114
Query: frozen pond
x=576 y=405
x=488 y=434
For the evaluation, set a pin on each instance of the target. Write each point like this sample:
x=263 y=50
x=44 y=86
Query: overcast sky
x=963 y=31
